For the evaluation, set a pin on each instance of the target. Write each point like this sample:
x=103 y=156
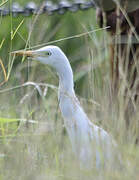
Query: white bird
x=92 y=145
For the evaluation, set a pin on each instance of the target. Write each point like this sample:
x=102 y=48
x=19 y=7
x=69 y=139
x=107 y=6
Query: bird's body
x=90 y=143
x=82 y=132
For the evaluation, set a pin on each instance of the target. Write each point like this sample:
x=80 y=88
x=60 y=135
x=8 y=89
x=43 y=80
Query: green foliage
x=33 y=141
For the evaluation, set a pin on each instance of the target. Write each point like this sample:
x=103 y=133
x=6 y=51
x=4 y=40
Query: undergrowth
x=34 y=143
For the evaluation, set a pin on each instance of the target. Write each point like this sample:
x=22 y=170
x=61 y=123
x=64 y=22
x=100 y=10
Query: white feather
x=91 y=144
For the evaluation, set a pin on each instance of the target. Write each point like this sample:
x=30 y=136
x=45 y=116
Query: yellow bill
x=23 y=53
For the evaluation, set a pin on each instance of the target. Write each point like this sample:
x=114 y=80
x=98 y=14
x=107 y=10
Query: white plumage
x=91 y=144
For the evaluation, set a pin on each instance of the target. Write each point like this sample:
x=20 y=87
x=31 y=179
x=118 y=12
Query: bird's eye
x=48 y=53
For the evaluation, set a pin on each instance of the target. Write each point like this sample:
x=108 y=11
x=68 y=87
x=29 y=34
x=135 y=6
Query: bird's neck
x=66 y=84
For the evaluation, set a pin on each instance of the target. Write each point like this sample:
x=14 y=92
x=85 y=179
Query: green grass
x=33 y=141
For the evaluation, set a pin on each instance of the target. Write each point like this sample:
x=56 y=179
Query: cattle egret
x=91 y=144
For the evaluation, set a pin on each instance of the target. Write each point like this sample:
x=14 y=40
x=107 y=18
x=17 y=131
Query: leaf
x=1 y=44
x=14 y=33
x=4 y=2
x=8 y=120
x=4 y=72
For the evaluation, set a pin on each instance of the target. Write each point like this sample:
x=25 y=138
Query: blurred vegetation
x=33 y=141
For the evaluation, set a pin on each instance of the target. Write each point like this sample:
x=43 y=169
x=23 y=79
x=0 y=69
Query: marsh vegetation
x=33 y=140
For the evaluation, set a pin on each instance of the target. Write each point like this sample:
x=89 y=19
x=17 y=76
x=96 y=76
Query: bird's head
x=51 y=55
